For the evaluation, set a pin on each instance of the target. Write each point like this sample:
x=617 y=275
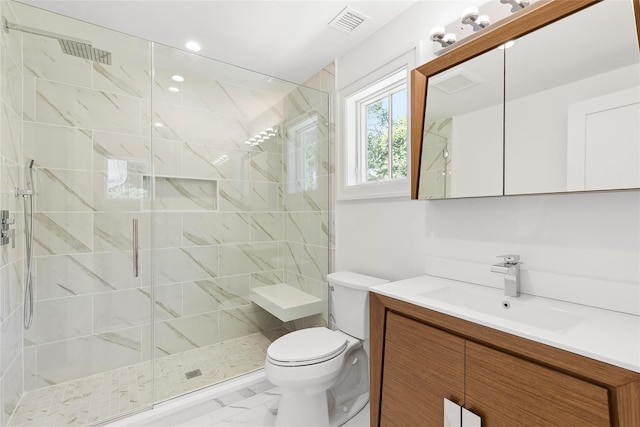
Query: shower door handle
x=136 y=257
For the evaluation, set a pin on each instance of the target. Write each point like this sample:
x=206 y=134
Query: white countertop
x=604 y=335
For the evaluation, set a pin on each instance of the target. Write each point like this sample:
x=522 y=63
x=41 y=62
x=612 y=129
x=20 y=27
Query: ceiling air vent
x=455 y=80
x=348 y=20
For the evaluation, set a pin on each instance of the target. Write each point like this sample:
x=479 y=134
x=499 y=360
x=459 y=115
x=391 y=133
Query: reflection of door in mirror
x=603 y=142
x=572 y=94
x=462 y=147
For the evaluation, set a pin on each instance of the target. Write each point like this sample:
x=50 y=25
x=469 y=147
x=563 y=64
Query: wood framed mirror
x=498 y=162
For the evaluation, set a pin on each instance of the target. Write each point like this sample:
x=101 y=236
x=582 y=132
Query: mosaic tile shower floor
x=102 y=396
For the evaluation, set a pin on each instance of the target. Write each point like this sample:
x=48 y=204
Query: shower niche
x=189 y=194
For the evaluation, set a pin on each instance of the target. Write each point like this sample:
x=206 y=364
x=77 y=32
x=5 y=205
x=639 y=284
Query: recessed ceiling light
x=192 y=46
x=177 y=78
x=158 y=124
x=173 y=89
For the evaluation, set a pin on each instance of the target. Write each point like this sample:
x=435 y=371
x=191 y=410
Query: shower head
x=85 y=51
x=70 y=45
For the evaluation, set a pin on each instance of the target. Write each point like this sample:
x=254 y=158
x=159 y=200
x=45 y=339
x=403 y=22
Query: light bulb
x=449 y=38
x=469 y=15
x=436 y=33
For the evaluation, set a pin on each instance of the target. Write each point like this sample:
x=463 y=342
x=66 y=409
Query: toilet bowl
x=324 y=374
x=306 y=364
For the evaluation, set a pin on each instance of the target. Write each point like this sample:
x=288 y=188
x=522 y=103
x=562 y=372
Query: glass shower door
x=85 y=124
x=218 y=225
x=221 y=229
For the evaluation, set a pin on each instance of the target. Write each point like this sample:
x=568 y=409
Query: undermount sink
x=492 y=302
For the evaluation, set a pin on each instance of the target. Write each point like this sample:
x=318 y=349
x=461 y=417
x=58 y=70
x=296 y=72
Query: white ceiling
x=290 y=40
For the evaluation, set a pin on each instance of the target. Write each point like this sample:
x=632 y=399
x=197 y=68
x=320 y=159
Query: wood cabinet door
x=508 y=391
x=422 y=366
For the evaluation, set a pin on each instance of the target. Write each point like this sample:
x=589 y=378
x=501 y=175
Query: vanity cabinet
x=420 y=357
x=417 y=355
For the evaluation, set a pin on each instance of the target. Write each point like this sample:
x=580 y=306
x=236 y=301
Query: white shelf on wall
x=286 y=302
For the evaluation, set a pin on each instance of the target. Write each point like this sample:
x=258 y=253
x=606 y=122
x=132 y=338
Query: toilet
x=324 y=373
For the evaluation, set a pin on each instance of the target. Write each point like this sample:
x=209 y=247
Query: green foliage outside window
x=379 y=158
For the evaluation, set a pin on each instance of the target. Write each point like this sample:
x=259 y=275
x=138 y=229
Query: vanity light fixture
x=177 y=78
x=437 y=35
x=470 y=17
x=516 y=5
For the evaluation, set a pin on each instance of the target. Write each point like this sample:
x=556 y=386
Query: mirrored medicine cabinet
x=548 y=102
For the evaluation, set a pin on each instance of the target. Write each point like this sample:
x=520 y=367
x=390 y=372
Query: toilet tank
x=349 y=297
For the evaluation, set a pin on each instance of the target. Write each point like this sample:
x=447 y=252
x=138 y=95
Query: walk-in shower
x=106 y=146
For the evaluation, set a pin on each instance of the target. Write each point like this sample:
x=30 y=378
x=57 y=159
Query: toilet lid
x=307 y=346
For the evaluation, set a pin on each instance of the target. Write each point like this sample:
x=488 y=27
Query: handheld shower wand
x=28 y=194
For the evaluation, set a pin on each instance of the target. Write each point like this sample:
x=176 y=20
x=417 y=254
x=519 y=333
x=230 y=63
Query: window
x=382 y=139
x=375 y=133
x=303 y=158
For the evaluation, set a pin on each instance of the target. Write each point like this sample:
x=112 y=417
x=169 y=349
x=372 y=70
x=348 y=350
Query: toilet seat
x=306 y=347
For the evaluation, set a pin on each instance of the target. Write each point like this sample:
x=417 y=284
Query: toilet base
x=328 y=408
x=295 y=406
x=351 y=391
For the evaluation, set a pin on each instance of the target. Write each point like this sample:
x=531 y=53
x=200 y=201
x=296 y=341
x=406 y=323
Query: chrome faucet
x=511 y=270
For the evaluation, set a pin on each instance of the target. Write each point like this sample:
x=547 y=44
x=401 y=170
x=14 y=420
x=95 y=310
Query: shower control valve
x=7 y=234
x=5 y=221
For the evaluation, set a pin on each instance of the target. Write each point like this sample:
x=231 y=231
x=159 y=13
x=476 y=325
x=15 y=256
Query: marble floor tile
x=256 y=411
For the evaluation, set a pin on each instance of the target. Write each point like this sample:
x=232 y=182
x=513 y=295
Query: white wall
x=385 y=237
x=382 y=238
x=591 y=238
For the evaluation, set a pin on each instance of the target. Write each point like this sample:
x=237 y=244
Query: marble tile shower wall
x=224 y=220
x=11 y=258
x=307 y=182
